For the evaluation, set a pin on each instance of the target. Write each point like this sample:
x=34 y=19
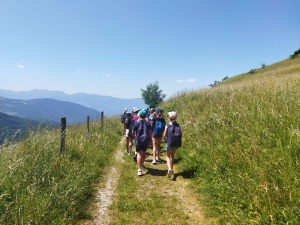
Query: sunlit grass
x=243 y=139
x=40 y=186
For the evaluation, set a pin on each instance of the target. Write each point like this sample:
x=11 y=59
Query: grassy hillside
x=281 y=68
x=40 y=186
x=13 y=128
x=242 y=138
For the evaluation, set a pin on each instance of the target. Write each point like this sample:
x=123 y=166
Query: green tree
x=152 y=95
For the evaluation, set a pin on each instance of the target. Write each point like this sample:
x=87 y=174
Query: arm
x=165 y=134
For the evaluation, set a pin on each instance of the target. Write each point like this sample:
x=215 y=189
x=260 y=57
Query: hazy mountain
x=47 y=109
x=110 y=105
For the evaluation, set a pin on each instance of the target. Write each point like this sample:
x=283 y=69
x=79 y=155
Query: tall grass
x=40 y=186
x=243 y=139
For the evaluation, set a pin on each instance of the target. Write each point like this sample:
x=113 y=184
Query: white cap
x=172 y=115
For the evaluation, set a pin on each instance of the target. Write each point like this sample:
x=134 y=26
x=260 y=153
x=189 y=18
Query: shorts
x=128 y=133
x=157 y=136
x=137 y=149
x=170 y=148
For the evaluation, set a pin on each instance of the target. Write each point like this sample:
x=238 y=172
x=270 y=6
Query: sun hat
x=136 y=110
x=125 y=109
x=142 y=113
x=159 y=110
x=172 y=115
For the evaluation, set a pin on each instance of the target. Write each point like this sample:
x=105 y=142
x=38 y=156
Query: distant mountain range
x=47 y=109
x=110 y=105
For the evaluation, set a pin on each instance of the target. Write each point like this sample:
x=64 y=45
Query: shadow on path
x=185 y=174
x=156 y=172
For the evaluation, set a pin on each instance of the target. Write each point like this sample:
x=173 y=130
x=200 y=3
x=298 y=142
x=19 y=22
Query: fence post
x=63 y=126
x=88 y=125
x=102 y=117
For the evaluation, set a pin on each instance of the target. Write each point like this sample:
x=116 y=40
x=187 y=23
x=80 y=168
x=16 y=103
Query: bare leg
x=169 y=159
x=172 y=158
x=130 y=144
x=154 y=148
x=158 y=147
x=141 y=155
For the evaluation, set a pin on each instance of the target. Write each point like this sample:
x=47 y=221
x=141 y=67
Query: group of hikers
x=147 y=128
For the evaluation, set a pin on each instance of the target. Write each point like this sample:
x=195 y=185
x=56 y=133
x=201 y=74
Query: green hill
x=13 y=128
x=242 y=139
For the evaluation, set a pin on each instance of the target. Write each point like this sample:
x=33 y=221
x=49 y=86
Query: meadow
x=241 y=141
x=38 y=185
x=242 y=138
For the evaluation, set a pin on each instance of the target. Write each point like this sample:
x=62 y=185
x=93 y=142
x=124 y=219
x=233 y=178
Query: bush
x=296 y=53
x=252 y=71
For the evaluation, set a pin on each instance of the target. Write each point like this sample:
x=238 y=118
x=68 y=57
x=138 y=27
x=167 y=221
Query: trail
x=174 y=194
x=106 y=190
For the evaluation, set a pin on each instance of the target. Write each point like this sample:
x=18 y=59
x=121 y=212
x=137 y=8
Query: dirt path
x=149 y=199
x=106 y=190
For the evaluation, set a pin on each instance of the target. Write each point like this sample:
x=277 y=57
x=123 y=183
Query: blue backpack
x=174 y=135
x=142 y=136
x=158 y=127
x=123 y=117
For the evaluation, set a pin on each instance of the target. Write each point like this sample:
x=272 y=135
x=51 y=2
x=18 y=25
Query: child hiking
x=172 y=138
x=158 y=124
x=128 y=126
x=142 y=133
x=123 y=117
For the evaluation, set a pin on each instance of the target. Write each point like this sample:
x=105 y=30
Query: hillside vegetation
x=242 y=139
x=40 y=186
x=13 y=128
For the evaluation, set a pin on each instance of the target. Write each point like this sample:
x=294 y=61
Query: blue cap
x=159 y=110
x=142 y=113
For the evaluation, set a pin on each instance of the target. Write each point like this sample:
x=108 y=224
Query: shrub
x=296 y=53
x=252 y=71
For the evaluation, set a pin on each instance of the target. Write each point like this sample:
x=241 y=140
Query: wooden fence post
x=88 y=125
x=63 y=126
x=102 y=118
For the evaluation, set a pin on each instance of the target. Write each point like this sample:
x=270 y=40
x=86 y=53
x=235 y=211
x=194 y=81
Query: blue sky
x=116 y=48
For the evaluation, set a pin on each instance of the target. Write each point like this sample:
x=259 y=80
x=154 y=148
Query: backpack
x=129 y=121
x=158 y=127
x=142 y=136
x=174 y=135
x=123 y=117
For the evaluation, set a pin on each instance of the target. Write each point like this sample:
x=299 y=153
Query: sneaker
x=157 y=158
x=129 y=154
x=134 y=158
x=170 y=173
x=140 y=173
x=154 y=162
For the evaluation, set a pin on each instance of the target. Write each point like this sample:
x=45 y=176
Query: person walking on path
x=158 y=124
x=128 y=126
x=123 y=117
x=172 y=138
x=141 y=133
